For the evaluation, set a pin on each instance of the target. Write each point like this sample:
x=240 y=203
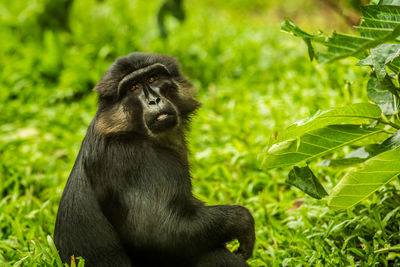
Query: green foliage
x=379 y=24
x=384 y=94
x=304 y=179
x=251 y=80
x=315 y=137
x=55 y=14
x=360 y=183
x=379 y=57
x=173 y=7
x=351 y=114
x=314 y=144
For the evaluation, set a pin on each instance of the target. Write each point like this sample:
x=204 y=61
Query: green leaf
x=353 y=114
x=304 y=179
x=341 y=162
x=390 y=2
x=391 y=143
x=379 y=24
x=393 y=62
x=81 y=261
x=54 y=251
x=289 y=27
x=384 y=94
x=385 y=250
x=343 y=45
x=364 y=153
x=378 y=59
x=314 y=144
x=357 y=156
x=360 y=183
x=311 y=50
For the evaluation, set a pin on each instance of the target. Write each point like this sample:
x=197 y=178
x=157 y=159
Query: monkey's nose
x=154 y=101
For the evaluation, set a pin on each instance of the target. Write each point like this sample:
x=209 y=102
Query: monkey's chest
x=148 y=219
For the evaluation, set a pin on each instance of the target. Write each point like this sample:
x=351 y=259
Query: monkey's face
x=155 y=91
x=143 y=93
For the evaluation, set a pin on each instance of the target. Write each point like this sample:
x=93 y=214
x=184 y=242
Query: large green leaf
x=379 y=24
x=351 y=114
x=314 y=144
x=341 y=162
x=304 y=179
x=360 y=183
x=355 y=157
x=364 y=153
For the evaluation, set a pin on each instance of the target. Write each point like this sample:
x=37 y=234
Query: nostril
x=154 y=101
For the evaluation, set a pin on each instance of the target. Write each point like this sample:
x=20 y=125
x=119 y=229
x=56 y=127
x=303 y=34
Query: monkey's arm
x=202 y=228
x=224 y=223
x=191 y=230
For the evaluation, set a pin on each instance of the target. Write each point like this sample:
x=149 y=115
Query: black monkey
x=128 y=199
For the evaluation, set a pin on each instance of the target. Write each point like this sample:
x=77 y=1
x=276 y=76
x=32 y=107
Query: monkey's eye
x=135 y=86
x=152 y=79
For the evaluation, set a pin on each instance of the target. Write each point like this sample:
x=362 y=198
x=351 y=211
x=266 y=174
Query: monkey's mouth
x=163 y=121
x=162 y=116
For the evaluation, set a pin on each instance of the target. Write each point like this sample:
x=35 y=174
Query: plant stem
x=394 y=125
x=386 y=121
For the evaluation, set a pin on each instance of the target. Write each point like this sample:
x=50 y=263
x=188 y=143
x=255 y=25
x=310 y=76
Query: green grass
x=253 y=82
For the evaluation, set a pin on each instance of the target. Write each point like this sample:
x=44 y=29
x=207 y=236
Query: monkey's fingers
x=246 y=246
x=243 y=253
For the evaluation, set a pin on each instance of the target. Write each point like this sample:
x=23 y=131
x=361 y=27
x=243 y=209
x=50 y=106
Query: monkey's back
x=81 y=229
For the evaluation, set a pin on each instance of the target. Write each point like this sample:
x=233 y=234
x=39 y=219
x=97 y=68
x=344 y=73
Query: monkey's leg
x=82 y=229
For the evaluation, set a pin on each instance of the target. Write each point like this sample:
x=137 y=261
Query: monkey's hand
x=245 y=232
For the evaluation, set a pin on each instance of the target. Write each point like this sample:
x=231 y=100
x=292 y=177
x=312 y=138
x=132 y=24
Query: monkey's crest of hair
x=108 y=84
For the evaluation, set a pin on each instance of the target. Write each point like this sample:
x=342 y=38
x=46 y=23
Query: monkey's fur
x=128 y=199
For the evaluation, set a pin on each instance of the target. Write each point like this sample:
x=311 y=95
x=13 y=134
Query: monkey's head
x=143 y=93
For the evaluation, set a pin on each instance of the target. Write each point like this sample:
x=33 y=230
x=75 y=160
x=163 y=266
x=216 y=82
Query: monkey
x=128 y=200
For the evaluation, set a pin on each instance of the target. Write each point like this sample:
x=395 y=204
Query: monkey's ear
x=198 y=105
x=189 y=106
x=107 y=86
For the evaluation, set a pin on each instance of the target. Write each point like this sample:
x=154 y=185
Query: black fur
x=128 y=200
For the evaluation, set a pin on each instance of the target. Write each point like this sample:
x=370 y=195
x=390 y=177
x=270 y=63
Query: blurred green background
x=253 y=81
